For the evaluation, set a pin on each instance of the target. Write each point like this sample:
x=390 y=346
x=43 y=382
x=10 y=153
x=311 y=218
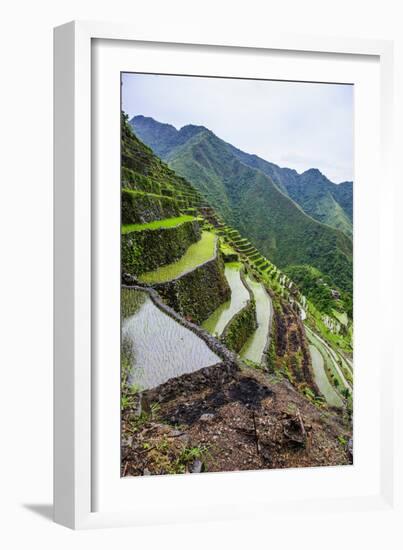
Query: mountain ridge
x=200 y=127
x=250 y=200
x=325 y=201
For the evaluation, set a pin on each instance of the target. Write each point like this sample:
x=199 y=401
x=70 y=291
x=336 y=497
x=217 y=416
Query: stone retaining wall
x=149 y=249
x=198 y=293
x=144 y=208
x=243 y=324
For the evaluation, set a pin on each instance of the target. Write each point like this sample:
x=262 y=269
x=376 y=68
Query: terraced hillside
x=201 y=304
x=292 y=219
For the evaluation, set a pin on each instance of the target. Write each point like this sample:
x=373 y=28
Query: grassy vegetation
x=128 y=392
x=157 y=224
x=318 y=287
x=197 y=254
x=340 y=316
x=341 y=341
x=150 y=248
x=164 y=457
x=325 y=201
x=130 y=302
x=226 y=248
x=136 y=194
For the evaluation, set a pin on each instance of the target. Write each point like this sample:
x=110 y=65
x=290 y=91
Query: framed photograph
x=214 y=352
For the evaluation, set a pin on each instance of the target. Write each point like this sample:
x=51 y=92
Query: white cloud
x=299 y=125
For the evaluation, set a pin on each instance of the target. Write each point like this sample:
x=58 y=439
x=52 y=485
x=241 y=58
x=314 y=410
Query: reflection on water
x=321 y=379
x=218 y=320
x=159 y=347
x=255 y=345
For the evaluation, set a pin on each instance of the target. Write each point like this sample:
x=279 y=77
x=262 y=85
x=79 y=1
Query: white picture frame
x=78 y=206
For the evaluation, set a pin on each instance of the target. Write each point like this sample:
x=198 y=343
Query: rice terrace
x=237 y=291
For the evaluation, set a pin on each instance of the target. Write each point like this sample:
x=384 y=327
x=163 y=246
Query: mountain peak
x=190 y=130
x=313 y=172
x=156 y=135
x=149 y=121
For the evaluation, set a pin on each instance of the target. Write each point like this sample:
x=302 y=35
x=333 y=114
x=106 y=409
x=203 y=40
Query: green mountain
x=323 y=200
x=343 y=193
x=249 y=199
x=318 y=197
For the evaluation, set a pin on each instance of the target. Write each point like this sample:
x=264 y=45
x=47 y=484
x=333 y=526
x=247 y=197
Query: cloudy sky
x=298 y=125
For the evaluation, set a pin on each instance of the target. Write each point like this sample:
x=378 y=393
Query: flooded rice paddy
x=257 y=342
x=197 y=254
x=157 y=347
x=218 y=320
x=321 y=379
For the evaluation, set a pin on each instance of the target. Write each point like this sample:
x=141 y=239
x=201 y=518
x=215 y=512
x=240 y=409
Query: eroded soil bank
x=223 y=418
